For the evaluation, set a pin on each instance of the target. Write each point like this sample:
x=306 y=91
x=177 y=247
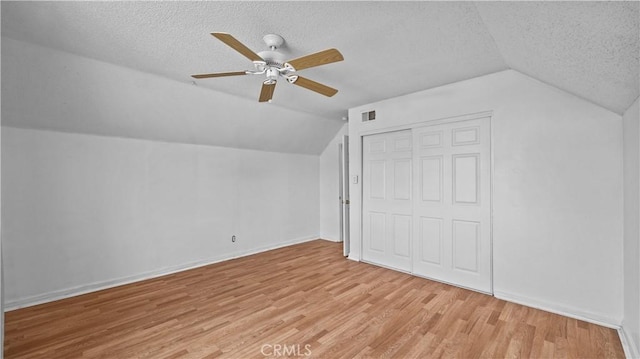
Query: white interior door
x=387 y=199
x=452 y=209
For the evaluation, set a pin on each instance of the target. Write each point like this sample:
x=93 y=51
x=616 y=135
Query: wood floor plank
x=282 y=302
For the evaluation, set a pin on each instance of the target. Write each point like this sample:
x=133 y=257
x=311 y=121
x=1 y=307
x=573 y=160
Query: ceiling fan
x=273 y=65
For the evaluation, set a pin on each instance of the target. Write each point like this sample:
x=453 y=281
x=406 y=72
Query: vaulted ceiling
x=590 y=49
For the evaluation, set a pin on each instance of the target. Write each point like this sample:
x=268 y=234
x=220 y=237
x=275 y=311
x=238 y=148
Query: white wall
x=81 y=212
x=1 y=262
x=631 y=323
x=557 y=178
x=329 y=189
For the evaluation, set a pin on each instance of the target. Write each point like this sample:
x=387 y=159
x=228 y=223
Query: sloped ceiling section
x=54 y=90
x=390 y=49
x=590 y=49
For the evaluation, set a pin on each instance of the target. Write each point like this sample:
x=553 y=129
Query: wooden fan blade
x=267 y=92
x=314 y=86
x=317 y=59
x=219 y=74
x=237 y=45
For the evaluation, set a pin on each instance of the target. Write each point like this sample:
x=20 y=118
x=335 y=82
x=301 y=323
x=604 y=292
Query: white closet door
x=452 y=209
x=387 y=199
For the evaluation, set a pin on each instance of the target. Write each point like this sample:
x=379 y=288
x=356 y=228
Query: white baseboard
x=331 y=239
x=559 y=309
x=96 y=286
x=631 y=351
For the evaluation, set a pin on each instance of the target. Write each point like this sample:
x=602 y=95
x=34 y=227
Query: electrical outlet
x=233 y=239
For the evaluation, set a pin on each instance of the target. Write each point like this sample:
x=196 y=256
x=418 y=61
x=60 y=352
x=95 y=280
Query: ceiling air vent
x=368 y=116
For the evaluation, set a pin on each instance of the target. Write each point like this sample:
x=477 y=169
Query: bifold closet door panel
x=387 y=199
x=452 y=208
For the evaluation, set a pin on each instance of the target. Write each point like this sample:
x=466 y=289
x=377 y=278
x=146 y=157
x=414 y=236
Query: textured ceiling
x=588 y=48
x=390 y=48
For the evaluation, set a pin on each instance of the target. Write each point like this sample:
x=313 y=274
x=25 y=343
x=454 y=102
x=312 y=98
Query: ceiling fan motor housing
x=274 y=61
x=273 y=58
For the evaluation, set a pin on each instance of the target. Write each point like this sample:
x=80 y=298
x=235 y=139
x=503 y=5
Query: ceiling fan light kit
x=273 y=65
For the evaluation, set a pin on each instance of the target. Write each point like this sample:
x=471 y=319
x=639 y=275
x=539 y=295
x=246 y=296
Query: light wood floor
x=305 y=298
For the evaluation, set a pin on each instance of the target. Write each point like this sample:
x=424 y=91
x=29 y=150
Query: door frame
x=343 y=154
x=359 y=177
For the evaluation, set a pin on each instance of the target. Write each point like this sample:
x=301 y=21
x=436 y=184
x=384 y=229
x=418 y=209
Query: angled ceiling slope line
x=590 y=49
x=81 y=95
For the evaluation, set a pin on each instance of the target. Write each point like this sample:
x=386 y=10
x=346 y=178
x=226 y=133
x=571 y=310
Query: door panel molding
x=387 y=187
x=437 y=180
x=465 y=209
